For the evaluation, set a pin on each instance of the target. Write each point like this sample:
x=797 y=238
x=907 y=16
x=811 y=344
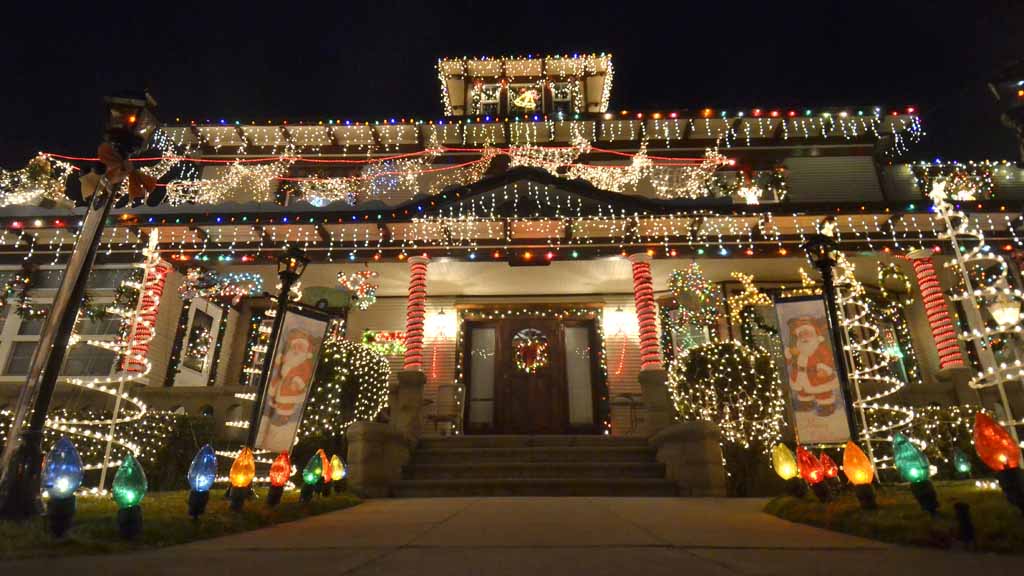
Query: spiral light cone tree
x=985 y=289
x=871 y=375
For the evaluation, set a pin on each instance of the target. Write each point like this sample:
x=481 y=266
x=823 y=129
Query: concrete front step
x=574 y=470
x=540 y=441
x=535 y=487
x=471 y=456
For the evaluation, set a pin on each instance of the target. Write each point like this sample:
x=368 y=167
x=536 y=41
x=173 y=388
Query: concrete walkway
x=534 y=537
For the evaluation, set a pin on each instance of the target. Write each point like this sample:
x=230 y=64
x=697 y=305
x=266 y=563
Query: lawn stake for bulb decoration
x=62 y=475
x=785 y=466
x=999 y=452
x=913 y=466
x=860 y=472
x=813 y=473
x=280 y=472
x=201 y=475
x=129 y=488
x=243 y=470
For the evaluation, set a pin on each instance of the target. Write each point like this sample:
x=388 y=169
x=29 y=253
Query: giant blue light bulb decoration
x=62 y=475
x=201 y=475
x=203 y=470
x=62 y=471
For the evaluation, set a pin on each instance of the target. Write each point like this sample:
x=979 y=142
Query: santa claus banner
x=296 y=354
x=815 y=393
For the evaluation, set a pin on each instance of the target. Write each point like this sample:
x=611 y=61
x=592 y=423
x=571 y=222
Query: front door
x=530 y=392
x=531 y=376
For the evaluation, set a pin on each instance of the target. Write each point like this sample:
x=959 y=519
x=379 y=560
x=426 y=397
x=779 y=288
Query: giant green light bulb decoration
x=914 y=467
x=312 y=477
x=129 y=488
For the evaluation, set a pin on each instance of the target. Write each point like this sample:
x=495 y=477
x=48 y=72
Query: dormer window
x=487 y=98
x=561 y=99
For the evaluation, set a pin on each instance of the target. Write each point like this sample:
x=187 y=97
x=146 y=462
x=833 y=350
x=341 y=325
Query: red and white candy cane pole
x=646 y=315
x=415 y=312
x=943 y=331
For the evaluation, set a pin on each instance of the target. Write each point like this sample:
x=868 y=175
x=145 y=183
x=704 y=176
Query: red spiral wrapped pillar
x=414 y=313
x=144 y=327
x=943 y=331
x=646 y=315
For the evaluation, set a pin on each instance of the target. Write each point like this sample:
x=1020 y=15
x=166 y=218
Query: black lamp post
x=290 y=266
x=129 y=128
x=819 y=249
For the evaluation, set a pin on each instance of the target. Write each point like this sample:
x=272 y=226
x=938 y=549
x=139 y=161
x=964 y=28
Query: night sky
x=373 y=60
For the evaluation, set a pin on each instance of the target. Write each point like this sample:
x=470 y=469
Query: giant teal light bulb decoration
x=914 y=467
x=129 y=488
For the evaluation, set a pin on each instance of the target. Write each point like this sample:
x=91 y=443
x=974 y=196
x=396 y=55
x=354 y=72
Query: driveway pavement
x=534 y=537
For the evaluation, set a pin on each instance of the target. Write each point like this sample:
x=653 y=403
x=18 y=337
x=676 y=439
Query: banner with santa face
x=815 y=394
x=296 y=353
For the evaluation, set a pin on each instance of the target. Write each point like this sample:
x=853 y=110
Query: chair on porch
x=446 y=410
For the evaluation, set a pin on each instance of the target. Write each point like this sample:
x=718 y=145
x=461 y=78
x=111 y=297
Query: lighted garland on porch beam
x=603 y=416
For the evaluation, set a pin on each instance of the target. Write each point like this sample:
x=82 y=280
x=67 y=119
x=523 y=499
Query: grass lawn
x=165 y=523
x=999 y=527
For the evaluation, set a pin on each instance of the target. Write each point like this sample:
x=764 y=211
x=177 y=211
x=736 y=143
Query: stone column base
x=658 y=409
x=692 y=457
x=376 y=454
x=407 y=402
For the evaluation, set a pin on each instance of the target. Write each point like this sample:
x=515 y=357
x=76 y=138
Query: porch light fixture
x=1005 y=310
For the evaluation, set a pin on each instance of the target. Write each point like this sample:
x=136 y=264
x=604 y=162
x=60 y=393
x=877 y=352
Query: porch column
x=643 y=296
x=415 y=311
x=943 y=331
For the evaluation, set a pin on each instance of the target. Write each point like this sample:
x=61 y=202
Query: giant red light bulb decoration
x=999 y=452
x=813 y=473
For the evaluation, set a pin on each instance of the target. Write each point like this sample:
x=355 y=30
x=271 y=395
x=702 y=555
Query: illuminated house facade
x=530 y=212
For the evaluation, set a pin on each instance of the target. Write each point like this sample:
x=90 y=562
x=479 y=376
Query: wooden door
x=530 y=401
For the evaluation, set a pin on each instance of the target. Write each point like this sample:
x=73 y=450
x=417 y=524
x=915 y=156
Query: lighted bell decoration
x=829 y=466
x=62 y=475
x=813 y=473
x=338 y=472
x=913 y=466
x=994 y=444
x=860 y=472
x=999 y=452
x=280 y=471
x=243 y=470
x=129 y=488
x=201 y=475
x=785 y=466
x=312 y=477
x=961 y=463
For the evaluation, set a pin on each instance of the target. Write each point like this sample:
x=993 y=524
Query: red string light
x=415 y=312
x=943 y=331
x=643 y=295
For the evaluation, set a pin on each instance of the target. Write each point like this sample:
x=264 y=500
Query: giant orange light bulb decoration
x=995 y=446
x=999 y=452
x=325 y=471
x=860 y=472
x=813 y=473
x=243 y=470
x=280 y=472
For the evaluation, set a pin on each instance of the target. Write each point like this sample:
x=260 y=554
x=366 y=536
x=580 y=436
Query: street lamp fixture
x=291 y=265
